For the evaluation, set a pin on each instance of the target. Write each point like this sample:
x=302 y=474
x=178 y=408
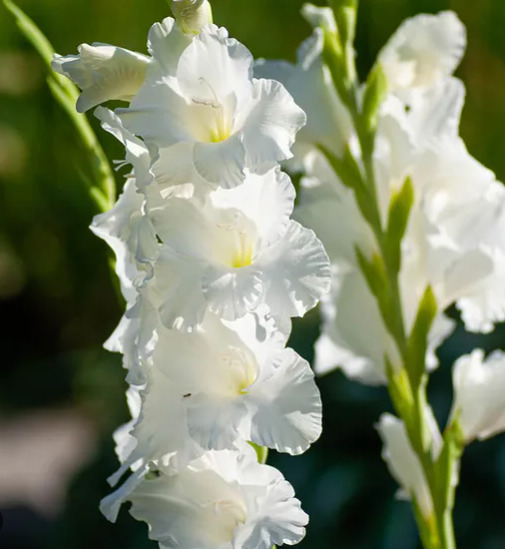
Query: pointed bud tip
x=191 y=15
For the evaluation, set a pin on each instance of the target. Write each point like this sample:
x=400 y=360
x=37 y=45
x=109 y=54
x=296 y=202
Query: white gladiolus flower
x=479 y=394
x=235 y=252
x=403 y=463
x=212 y=118
x=223 y=500
x=425 y=48
x=103 y=72
x=226 y=385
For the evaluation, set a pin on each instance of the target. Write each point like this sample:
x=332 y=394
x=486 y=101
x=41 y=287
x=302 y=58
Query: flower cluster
x=212 y=268
x=452 y=248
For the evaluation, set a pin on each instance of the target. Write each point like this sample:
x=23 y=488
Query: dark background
x=58 y=305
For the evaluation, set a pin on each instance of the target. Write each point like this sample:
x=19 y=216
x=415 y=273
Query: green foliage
x=375 y=91
x=102 y=184
x=417 y=342
x=398 y=217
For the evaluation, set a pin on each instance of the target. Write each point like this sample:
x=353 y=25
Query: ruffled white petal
x=232 y=293
x=297 y=272
x=285 y=405
x=131 y=235
x=273 y=119
x=165 y=43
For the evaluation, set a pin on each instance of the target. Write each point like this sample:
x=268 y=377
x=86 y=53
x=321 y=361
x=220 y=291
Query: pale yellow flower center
x=241 y=369
x=241 y=240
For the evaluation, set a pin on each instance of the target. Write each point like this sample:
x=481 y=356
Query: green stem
x=102 y=186
x=407 y=392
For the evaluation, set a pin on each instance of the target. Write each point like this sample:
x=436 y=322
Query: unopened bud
x=191 y=15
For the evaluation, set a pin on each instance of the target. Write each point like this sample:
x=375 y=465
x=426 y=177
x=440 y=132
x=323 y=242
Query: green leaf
x=346 y=167
x=102 y=187
x=349 y=173
x=400 y=390
x=398 y=217
x=417 y=342
x=375 y=92
x=261 y=452
x=31 y=32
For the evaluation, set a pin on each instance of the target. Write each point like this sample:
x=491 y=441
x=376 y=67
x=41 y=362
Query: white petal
x=310 y=84
x=179 y=284
x=232 y=293
x=103 y=72
x=137 y=154
x=296 y=271
x=278 y=520
x=285 y=405
x=221 y=163
x=437 y=116
x=208 y=368
x=174 y=166
x=214 y=66
x=161 y=430
x=131 y=236
x=110 y=505
x=479 y=387
x=424 y=49
x=166 y=42
x=159 y=115
x=403 y=463
x=353 y=336
x=271 y=124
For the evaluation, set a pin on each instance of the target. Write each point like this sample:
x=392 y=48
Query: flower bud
x=191 y=15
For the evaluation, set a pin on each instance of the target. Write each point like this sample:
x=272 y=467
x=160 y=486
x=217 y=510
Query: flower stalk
x=407 y=385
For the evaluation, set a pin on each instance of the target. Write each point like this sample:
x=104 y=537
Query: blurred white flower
x=454 y=239
x=404 y=464
x=479 y=394
x=424 y=49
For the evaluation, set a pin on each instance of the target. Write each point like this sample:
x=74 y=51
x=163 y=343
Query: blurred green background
x=58 y=305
